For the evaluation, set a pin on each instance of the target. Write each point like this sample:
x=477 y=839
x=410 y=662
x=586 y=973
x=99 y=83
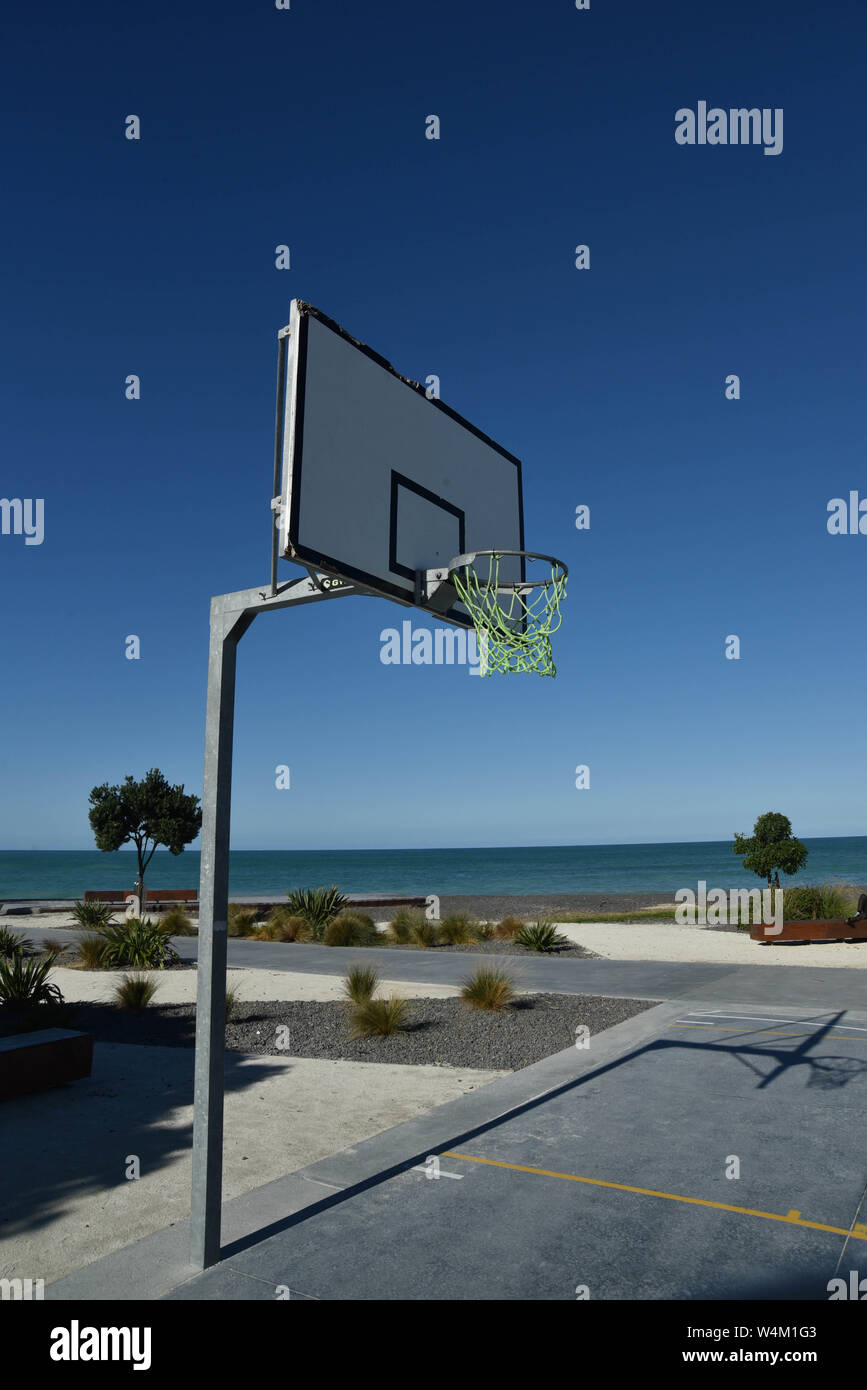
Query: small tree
x=148 y=813
x=771 y=847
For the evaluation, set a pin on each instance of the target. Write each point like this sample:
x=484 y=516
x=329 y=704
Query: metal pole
x=226 y=631
x=231 y=615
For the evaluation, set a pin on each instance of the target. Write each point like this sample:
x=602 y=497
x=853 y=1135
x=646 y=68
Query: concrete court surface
x=785 y=1096
x=601 y=1169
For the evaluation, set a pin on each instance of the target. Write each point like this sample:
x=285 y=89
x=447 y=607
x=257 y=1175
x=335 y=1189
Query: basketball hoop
x=513 y=619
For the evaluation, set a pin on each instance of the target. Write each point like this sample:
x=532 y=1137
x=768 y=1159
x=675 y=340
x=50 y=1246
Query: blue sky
x=454 y=257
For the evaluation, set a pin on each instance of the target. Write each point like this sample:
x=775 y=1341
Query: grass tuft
x=134 y=991
x=360 y=983
x=241 y=920
x=425 y=933
x=488 y=988
x=176 y=922
x=403 y=924
x=54 y=948
x=351 y=929
x=508 y=928
x=281 y=925
x=458 y=929
x=91 y=950
x=378 y=1018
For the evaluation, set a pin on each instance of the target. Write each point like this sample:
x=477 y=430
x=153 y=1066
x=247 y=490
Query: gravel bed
x=440 y=1032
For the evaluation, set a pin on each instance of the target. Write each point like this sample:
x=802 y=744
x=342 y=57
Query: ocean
x=537 y=869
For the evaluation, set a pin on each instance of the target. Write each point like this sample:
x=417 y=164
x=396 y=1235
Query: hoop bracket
x=434 y=590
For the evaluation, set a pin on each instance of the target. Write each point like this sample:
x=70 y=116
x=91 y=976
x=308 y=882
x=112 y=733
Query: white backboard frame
x=379 y=480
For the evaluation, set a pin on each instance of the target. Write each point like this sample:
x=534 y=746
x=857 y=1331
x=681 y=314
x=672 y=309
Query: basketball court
x=597 y=1184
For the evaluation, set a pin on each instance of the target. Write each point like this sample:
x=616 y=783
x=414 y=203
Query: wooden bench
x=167 y=897
x=809 y=931
x=48 y=1057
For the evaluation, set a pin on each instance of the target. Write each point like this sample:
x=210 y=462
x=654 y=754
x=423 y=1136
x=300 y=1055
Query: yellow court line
x=769 y=1032
x=793 y=1218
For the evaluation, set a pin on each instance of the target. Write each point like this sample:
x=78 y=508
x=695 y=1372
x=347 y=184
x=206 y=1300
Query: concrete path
x=808 y=986
x=799 y=985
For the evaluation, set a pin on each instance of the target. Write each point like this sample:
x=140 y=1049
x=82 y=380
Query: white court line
x=761 y=1018
x=756 y=1018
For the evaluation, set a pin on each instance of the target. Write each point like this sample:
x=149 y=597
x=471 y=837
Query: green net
x=513 y=620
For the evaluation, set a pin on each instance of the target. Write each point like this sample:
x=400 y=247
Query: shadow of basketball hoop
x=829 y=1073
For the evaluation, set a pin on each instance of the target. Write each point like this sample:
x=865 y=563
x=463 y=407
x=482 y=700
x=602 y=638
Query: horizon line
x=423 y=849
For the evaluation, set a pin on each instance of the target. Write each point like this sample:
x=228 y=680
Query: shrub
x=426 y=933
x=484 y=931
x=232 y=1002
x=54 y=948
x=351 y=929
x=540 y=936
x=134 y=991
x=458 y=929
x=94 y=916
x=241 y=920
x=360 y=983
x=817 y=902
x=508 y=928
x=280 y=925
x=139 y=943
x=293 y=928
x=10 y=943
x=378 y=1018
x=404 y=923
x=488 y=988
x=176 y=922
x=317 y=906
x=91 y=950
x=24 y=981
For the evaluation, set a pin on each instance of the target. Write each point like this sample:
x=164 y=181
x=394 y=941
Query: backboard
x=379 y=481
